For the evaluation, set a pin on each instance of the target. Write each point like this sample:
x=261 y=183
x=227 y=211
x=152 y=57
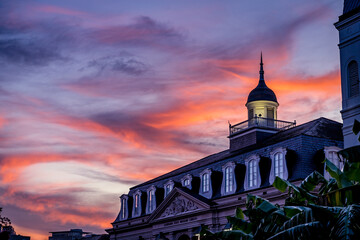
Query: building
x=349 y=38
x=74 y=234
x=206 y=191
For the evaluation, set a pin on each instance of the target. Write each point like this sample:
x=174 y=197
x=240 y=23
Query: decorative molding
x=150 y=209
x=187 y=177
x=124 y=211
x=179 y=205
x=209 y=193
x=169 y=183
x=139 y=193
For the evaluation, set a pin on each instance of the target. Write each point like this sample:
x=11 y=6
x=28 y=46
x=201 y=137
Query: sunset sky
x=98 y=96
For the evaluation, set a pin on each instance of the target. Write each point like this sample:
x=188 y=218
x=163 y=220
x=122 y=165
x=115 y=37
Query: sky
x=98 y=96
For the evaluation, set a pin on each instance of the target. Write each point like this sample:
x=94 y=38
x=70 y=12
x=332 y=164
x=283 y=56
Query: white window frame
x=283 y=152
x=329 y=154
x=207 y=186
x=188 y=178
x=134 y=213
x=168 y=187
x=124 y=213
x=151 y=200
x=228 y=185
x=256 y=159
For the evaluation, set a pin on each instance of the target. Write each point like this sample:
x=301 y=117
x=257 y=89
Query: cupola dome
x=261 y=92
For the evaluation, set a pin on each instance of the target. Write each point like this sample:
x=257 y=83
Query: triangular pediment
x=178 y=203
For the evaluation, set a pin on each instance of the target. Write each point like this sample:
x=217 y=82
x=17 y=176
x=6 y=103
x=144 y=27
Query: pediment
x=178 y=203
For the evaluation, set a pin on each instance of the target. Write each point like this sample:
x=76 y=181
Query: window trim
x=207 y=194
x=256 y=158
x=228 y=165
x=187 y=177
x=124 y=211
x=152 y=207
x=170 y=184
x=136 y=193
x=327 y=151
x=348 y=80
x=282 y=151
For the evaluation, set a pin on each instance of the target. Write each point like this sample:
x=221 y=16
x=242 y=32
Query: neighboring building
x=206 y=191
x=74 y=234
x=349 y=37
x=11 y=231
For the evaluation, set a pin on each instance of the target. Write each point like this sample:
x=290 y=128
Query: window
x=151 y=202
x=186 y=181
x=332 y=156
x=353 y=79
x=228 y=183
x=124 y=208
x=169 y=185
x=252 y=174
x=252 y=177
x=278 y=164
x=137 y=204
x=205 y=183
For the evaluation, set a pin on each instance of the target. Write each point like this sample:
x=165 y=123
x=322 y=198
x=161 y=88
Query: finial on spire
x=261 y=68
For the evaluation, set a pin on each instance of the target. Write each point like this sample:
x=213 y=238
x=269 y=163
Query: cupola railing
x=261 y=122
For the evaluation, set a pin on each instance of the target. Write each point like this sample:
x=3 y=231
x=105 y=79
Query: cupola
x=262 y=100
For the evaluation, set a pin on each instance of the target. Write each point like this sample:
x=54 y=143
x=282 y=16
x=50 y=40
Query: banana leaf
x=313 y=230
x=299 y=194
x=233 y=235
x=240 y=224
x=347 y=226
x=311 y=181
x=335 y=172
x=351 y=154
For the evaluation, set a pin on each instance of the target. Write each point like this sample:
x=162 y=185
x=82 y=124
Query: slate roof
x=321 y=127
x=350 y=5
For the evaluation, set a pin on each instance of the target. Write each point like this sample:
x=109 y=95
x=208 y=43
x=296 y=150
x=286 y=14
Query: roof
x=350 y=5
x=261 y=92
x=321 y=127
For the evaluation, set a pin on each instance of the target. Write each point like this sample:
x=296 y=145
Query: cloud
x=124 y=63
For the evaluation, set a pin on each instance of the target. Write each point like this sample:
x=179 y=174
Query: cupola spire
x=261 y=69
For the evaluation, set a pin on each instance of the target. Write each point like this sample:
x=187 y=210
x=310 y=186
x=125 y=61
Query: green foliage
x=4 y=221
x=347 y=225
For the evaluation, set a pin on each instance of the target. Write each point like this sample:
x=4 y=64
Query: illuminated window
x=252 y=174
x=331 y=154
x=229 y=178
x=137 y=204
x=205 y=182
x=278 y=164
x=151 y=202
x=186 y=181
x=353 y=79
x=124 y=208
x=252 y=177
x=168 y=187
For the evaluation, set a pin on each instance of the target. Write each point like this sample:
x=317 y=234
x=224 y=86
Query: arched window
x=205 y=183
x=331 y=153
x=151 y=200
x=353 y=78
x=228 y=179
x=279 y=164
x=124 y=207
x=168 y=187
x=252 y=174
x=186 y=181
x=137 y=204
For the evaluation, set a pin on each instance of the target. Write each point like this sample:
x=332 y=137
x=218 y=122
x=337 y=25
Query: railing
x=261 y=122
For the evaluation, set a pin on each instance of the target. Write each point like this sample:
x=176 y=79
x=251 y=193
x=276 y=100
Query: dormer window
x=228 y=181
x=205 y=184
x=278 y=164
x=137 y=204
x=168 y=187
x=252 y=177
x=124 y=207
x=331 y=154
x=186 y=181
x=151 y=200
